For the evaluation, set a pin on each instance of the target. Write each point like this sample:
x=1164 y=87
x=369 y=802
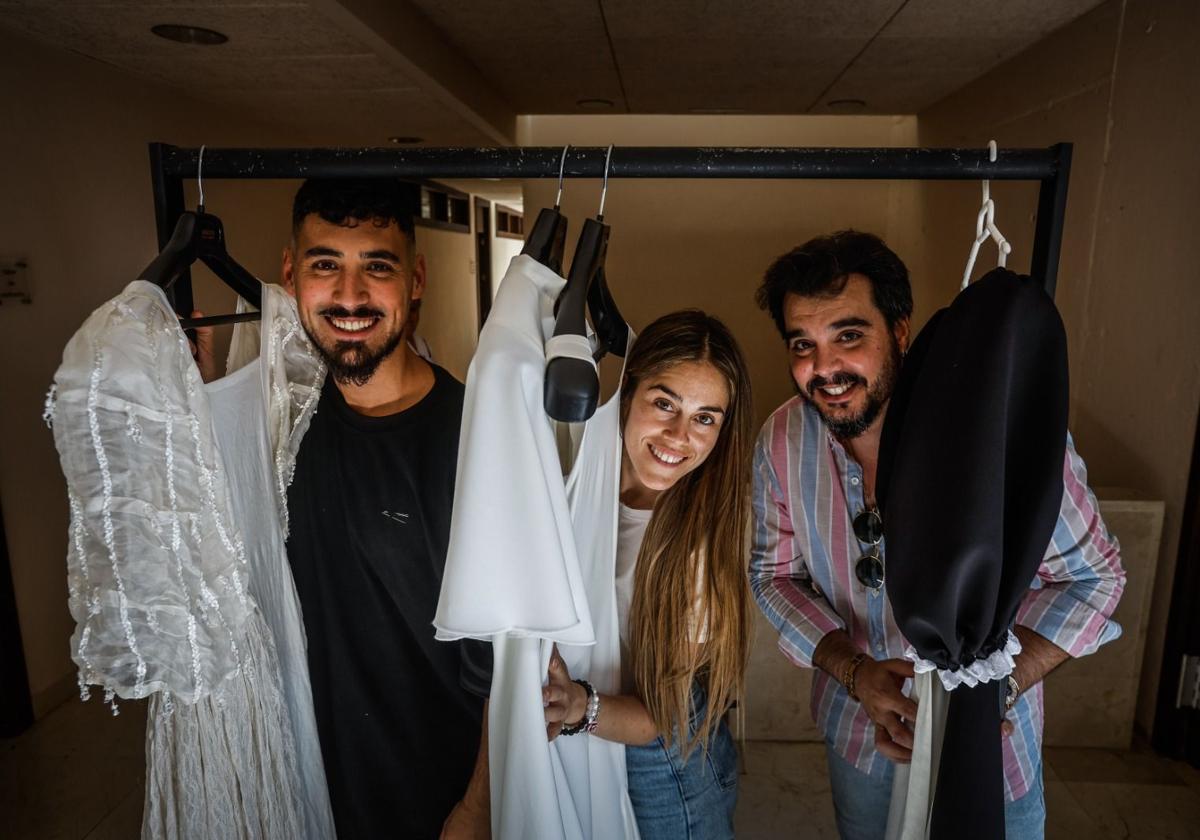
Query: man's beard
x=353 y=362
x=878 y=393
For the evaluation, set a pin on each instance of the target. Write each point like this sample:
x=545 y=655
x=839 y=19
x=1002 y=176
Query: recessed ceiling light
x=595 y=104
x=189 y=34
x=848 y=105
x=405 y=141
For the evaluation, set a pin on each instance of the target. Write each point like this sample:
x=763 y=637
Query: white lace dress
x=177 y=577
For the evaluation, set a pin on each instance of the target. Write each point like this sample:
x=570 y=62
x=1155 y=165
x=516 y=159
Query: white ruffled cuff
x=995 y=667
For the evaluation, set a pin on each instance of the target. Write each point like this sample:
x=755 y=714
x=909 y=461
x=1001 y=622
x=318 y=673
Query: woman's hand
x=565 y=701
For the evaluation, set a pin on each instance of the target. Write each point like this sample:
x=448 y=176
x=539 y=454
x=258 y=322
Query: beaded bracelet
x=588 y=722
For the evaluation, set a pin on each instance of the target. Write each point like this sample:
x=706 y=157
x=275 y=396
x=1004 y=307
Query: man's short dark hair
x=820 y=268
x=352 y=201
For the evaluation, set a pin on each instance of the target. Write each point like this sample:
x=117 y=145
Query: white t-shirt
x=631 y=528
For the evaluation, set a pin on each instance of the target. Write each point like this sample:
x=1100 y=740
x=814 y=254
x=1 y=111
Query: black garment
x=970 y=482
x=398 y=712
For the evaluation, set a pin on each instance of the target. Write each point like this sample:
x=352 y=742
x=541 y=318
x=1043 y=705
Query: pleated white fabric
x=530 y=564
x=511 y=565
x=177 y=576
x=914 y=784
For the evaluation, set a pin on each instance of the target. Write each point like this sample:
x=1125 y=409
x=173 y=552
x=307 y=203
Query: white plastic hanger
x=200 y=179
x=985 y=227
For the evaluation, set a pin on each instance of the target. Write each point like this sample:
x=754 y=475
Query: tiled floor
x=1090 y=795
x=77 y=775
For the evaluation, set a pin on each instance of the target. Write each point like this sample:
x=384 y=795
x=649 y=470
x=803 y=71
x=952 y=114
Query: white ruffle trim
x=995 y=667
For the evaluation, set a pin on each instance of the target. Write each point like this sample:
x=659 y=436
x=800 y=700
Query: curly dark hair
x=350 y=201
x=821 y=266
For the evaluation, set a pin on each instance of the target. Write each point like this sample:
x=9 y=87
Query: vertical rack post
x=1051 y=213
x=168 y=207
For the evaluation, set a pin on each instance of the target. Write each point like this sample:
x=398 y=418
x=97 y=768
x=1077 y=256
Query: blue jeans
x=860 y=804
x=677 y=801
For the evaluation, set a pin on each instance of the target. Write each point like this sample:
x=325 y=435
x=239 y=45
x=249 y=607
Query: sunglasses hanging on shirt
x=868 y=528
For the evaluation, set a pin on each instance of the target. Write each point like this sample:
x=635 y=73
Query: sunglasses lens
x=868 y=527
x=869 y=571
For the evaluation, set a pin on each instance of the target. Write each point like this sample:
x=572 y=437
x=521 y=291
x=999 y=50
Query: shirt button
x=854 y=481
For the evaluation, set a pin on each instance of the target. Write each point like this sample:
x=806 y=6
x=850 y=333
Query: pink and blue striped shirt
x=806 y=492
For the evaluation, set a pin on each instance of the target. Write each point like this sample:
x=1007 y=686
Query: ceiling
x=357 y=72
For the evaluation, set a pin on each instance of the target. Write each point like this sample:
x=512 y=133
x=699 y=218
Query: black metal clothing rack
x=171 y=165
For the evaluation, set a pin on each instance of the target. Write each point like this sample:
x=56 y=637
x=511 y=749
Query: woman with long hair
x=683 y=601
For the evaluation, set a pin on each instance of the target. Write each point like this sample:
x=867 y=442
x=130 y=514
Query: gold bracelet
x=851 y=670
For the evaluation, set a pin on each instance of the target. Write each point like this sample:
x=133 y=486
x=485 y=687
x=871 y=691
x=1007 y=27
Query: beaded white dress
x=177 y=576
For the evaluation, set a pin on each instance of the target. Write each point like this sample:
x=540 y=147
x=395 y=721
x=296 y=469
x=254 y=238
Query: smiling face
x=673 y=421
x=353 y=286
x=844 y=357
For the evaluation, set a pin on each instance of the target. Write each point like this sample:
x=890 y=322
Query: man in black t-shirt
x=399 y=714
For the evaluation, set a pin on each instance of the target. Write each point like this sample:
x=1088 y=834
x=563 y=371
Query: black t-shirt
x=398 y=713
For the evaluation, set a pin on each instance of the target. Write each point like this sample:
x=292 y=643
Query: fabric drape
x=970 y=485
x=531 y=564
x=177 y=577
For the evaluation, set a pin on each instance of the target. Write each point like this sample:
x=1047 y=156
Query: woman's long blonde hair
x=698 y=530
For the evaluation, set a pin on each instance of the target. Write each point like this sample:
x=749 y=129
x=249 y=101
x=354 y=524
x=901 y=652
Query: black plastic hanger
x=612 y=332
x=572 y=385
x=201 y=236
x=546 y=242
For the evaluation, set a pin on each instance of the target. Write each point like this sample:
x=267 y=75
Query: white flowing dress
x=531 y=565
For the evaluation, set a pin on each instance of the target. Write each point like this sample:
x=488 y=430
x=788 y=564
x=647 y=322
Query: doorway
x=16 y=706
x=1177 y=716
x=483 y=257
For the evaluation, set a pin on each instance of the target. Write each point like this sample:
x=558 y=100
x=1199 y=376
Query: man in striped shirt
x=842 y=304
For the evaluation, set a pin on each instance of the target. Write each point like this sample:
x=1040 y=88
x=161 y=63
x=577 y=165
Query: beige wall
x=1122 y=84
x=75 y=201
x=706 y=243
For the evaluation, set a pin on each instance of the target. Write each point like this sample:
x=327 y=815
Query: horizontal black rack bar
x=171 y=165
x=627 y=162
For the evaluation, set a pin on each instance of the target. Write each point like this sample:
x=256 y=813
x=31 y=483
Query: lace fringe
x=997 y=666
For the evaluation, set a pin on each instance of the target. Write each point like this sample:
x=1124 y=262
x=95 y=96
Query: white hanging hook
x=562 y=163
x=604 y=189
x=200 y=179
x=985 y=227
x=1001 y=243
